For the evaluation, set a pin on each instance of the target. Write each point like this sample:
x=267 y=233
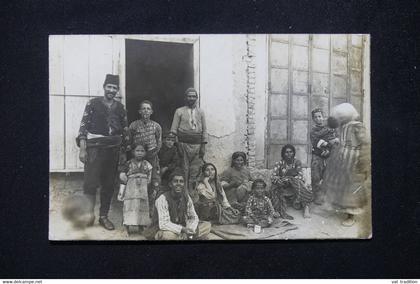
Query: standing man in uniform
x=189 y=125
x=101 y=133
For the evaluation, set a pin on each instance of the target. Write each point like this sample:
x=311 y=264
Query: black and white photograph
x=209 y=137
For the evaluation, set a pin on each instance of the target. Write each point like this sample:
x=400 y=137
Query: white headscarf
x=344 y=113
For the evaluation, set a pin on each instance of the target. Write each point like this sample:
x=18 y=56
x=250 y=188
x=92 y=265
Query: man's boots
x=104 y=222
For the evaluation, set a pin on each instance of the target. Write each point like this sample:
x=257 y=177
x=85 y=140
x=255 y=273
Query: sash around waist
x=137 y=175
x=190 y=138
x=104 y=141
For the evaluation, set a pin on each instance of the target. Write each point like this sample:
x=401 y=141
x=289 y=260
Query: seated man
x=259 y=210
x=175 y=217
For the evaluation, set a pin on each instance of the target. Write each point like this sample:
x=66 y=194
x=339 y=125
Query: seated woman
x=236 y=181
x=259 y=210
x=288 y=183
x=212 y=204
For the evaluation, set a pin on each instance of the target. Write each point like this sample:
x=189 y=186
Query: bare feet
x=306 y=213
x=318 y=200
x=287 y=216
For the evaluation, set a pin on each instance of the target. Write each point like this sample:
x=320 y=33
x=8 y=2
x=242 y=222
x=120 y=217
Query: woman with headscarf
x=212 y=204
x=349 y=165
x=289 y=183
x=236 y=181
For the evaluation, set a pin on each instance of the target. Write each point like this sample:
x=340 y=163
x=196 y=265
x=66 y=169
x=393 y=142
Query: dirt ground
x=324 y=224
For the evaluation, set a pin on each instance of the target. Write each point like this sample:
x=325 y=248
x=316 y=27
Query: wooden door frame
x=119 y=57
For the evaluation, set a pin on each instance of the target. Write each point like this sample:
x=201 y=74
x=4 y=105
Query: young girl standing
x=135 y=177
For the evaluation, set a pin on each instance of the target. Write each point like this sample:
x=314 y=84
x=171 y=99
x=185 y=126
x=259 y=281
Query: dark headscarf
x=239 y=154
x=285 y=147
x=190 y=90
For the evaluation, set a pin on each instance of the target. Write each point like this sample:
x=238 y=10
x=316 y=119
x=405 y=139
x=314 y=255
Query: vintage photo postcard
x=210 y=137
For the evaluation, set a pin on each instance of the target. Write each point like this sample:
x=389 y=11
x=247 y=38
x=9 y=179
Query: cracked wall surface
x=223 y=86
x=234 y=97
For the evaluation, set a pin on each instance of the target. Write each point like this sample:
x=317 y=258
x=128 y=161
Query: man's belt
x=104 y=142
x=206 y=203
x=352 y=147
x=190 y=138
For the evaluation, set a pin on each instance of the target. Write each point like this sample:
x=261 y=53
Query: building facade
x=257 y=90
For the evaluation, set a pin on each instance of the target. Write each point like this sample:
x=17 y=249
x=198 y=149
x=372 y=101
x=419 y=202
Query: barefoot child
x=259 y=210
x=322 y=139
x=135 y=177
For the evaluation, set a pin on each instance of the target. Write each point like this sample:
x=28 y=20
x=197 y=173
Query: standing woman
x=348 y=166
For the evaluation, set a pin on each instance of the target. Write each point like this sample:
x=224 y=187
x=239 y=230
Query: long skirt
x=136 y=210
x=214 y=212
x=237 y=197
x=295 y=190
x=343 y=185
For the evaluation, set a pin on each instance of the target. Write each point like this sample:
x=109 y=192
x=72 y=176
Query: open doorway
x=159 y=72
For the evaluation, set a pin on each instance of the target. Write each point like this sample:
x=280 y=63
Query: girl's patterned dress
x=136 y=209
x=258 y=211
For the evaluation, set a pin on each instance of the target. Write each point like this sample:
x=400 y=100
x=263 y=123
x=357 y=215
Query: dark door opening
x=159 y=72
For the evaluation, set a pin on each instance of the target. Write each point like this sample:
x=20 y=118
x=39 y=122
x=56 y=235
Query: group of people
x=168 y=190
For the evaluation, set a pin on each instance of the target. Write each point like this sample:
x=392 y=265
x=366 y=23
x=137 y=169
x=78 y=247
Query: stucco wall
x=223 y=87
x=261 y=93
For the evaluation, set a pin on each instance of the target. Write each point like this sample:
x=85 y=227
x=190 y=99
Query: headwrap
x=285 y=147
x=112 y=79
x=190 y=90
x=239 y=154
x=344 y=112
